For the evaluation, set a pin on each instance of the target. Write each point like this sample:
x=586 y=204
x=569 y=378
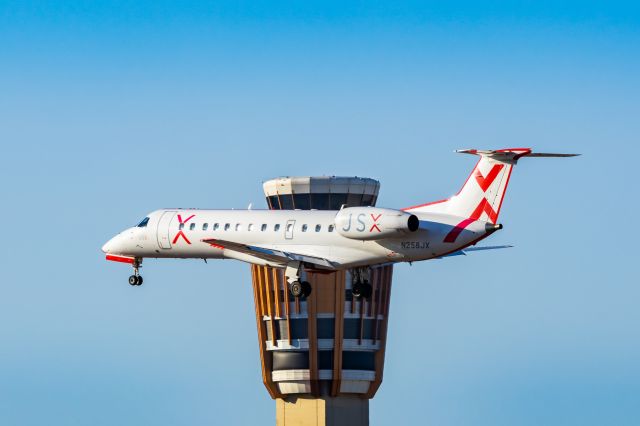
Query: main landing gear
x=136 y=278
x=300 y=289
x=297 y=288
x=361 y=287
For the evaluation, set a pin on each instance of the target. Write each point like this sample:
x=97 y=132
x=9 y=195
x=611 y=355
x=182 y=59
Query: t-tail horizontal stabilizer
x=511 y=155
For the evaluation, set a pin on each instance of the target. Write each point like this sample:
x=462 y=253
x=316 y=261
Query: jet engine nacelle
x=371 y=223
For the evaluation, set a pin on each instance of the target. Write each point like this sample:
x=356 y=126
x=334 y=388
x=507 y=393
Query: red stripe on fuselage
x=453 y=234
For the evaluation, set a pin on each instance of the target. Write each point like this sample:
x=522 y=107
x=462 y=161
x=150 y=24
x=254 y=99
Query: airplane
x=324 y=241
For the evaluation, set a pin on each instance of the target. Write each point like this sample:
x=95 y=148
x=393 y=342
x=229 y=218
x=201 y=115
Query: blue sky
x=109 y=110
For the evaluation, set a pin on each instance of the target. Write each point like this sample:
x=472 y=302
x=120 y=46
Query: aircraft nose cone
x=106 y=246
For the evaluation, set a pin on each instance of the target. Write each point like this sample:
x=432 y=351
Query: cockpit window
x=143 y=222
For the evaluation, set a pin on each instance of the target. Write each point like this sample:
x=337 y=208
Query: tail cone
x=493 y=227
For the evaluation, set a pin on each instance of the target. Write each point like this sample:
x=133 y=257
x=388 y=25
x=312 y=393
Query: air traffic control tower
x=322 y=355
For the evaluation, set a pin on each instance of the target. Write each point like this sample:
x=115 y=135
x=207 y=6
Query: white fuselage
x=179 y=233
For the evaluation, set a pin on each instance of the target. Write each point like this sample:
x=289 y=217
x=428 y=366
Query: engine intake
x=372 y=223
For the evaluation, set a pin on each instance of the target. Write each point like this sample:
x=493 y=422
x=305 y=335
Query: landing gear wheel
x=368 y=290
x=362 y=289
x=357 y=289
x=306 y=288
x=296 y=289
x=136 y=279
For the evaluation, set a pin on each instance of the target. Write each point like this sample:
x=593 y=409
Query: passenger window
x=276 y=227
x=181 y=227
x=238 y=227
x=318 y=228
x=250 y=227
x=227 y=226
x=263 y=227
x=215 y=226
x=304 y=228
x=289 y=227
x=205 y=226
x=192 y=227
x=330 y=228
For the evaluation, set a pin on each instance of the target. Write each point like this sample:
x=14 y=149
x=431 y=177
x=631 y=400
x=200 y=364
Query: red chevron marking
x=375 y=225
x=178 y=235
x=485 y=182
x=180 y=232
x=186 y=220
x=483 y=207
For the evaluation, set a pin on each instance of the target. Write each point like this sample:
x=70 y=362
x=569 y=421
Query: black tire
x=140 y=280
x=296 y=289
x=357 y=289
x=306 y=288
x=367 y=290
x=133 y=280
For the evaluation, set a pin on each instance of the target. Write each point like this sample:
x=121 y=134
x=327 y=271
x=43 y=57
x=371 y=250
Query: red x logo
x=375 y=225
x=483 y=207
x=180 y=232
x=485 y=182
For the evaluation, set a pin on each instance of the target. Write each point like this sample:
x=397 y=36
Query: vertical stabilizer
x=482 y=194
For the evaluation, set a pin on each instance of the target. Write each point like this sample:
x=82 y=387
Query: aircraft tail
x=482 y=194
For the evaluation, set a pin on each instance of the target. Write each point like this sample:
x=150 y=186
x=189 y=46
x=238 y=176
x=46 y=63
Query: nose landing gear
x=136 y=278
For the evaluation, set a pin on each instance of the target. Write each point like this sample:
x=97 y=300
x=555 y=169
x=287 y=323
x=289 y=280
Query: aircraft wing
x=268 y=254
x=464 y=251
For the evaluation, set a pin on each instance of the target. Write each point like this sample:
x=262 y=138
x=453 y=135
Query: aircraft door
x=288 y=230
x=164 y=239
